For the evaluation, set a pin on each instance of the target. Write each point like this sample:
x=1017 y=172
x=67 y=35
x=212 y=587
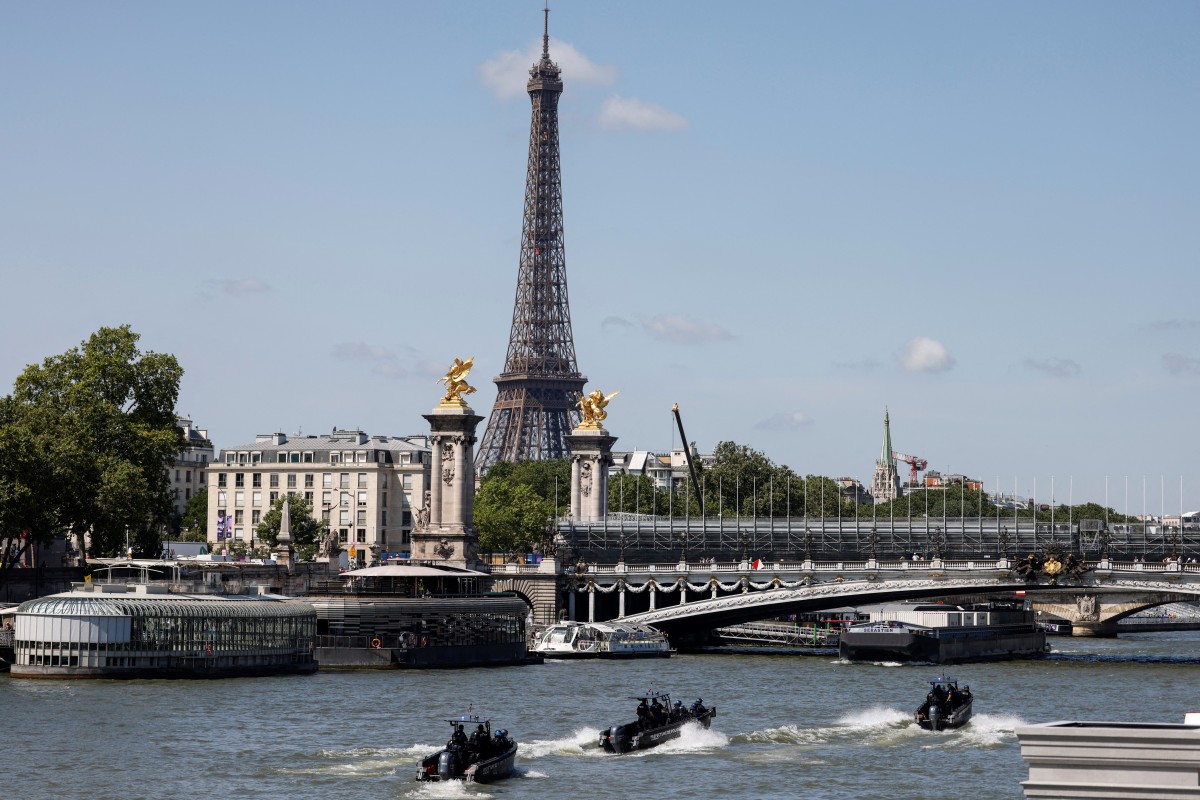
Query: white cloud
x=236 y=286
x=784 y=422
x=615 y=322
x=1058 y=367
x=506 y=75
x=680 y=330
x=1181 y=365
x=384 y=362
x=923 y=354
x=629 y=112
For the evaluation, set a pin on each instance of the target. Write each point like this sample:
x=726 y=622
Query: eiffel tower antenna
x=537 y=391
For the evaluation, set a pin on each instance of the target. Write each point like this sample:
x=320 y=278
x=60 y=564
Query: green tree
x=636 y=494
x=549 y=479
x=306 y=529
x=84 y=438
x=194 y=522
x=511 y=517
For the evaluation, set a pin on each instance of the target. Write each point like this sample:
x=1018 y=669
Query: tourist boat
x=601 y=640
x=478 y=757
x=946 y=706
x=657 y=721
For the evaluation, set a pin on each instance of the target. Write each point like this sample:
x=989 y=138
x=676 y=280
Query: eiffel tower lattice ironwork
x=537 y=392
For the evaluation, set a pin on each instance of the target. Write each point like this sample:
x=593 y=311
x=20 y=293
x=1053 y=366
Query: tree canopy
x=306 y=529
x=84 y=440
x=516 y=503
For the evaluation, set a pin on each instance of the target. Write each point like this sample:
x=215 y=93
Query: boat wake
x=364 y=761
x=845 y=662
x=984 y=730
x=875 y=726
x=581 y=742
x=447 y=790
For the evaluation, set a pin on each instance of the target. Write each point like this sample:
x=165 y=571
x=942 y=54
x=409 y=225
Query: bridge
x=720 y=573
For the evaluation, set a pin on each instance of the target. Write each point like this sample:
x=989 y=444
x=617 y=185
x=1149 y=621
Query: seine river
x=788 y=726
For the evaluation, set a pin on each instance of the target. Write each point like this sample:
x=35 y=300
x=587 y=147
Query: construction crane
x=915 y=465
x=687 y=452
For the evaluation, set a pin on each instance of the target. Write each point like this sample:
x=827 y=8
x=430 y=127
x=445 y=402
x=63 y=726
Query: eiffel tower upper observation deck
x=537 y=392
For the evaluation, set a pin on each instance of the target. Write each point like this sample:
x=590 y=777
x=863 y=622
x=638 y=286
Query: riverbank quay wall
x=1126 y=760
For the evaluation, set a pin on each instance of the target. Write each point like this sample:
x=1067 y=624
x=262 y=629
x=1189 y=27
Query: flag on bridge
x=757 y=563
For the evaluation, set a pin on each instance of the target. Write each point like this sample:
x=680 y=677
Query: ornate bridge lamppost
x=622 y=541
x=872 y=544
x=808 y=539
x=937 y=540
x=743 y=546
x=683 y=543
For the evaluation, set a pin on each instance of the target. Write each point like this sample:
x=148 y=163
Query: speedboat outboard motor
x=935 y=714
x=447 y=765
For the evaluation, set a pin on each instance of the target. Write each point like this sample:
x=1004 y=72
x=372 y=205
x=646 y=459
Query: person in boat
x=458 y=739
x=698 y=707
x=643 y=715
x=657 y=715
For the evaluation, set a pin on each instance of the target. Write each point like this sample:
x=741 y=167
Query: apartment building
x=366 y=487
x=186 y=470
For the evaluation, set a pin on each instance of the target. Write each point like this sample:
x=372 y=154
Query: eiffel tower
x=537 y=391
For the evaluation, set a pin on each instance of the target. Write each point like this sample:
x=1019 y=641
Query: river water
x=806 y=726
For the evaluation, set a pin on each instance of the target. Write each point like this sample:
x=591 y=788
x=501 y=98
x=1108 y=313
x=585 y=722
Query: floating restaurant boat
x=481 y=757
x=417 y=615
x=113 y=630
x=946 y=706
x=601 y=640
x=657 y=721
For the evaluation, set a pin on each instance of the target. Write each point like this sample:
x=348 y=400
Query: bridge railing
x=725 y=568
x=790 y=538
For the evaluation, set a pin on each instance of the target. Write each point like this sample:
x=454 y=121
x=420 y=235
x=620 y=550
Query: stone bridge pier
x=1098 y=615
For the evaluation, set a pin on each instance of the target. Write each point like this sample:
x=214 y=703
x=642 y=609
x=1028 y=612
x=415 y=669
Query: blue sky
x=783 y=216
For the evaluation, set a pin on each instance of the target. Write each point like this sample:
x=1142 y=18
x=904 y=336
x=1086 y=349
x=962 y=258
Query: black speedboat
x=479 y=756
x=657 y=721
x=946 y=706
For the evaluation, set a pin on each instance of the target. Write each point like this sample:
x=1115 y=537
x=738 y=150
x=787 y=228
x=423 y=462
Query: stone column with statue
x=591 y=457
x=445 y=531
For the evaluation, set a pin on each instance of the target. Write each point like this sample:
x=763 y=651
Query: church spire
x=885 y=454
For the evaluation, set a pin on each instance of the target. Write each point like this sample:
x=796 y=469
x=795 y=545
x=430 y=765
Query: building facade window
x=221 y=499
x=327 y=480
x=256 y=498
x=362 y=480
x=274 y=481
x=256 y=480
x=345 y=482
x=239 y=498
x=239 y=480
x=291 y=480
x=255 y=517
x=221 y=480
